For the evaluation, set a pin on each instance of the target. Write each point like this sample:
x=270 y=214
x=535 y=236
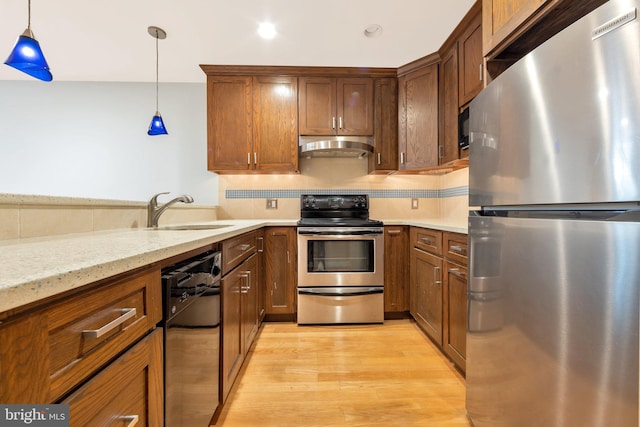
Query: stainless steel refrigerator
x=554 y=231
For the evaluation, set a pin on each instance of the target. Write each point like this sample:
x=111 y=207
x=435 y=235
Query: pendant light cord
x=29 y=15
x=157 y=62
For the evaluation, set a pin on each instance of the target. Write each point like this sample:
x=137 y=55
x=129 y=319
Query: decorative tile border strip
x=373 y=194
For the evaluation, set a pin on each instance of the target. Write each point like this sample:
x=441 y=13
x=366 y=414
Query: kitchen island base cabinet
x=129 y=389
x=55 y=348
x=240 y=308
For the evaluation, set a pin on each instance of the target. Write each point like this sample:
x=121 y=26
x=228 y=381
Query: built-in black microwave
x=463 y=129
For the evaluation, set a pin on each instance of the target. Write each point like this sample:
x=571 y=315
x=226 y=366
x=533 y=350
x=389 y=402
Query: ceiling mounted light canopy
x=157 y=124
x=373 y=30
x=27 y=56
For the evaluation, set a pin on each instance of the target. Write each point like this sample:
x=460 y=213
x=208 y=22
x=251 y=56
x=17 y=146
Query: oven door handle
x=325 y=293
x=338 y=232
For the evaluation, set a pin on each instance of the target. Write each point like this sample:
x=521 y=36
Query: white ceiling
x=107 y=40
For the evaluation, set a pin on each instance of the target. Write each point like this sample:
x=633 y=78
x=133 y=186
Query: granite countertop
x=38 y=268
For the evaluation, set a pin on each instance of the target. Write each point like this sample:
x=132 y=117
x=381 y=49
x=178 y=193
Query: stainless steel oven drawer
x=329 y=305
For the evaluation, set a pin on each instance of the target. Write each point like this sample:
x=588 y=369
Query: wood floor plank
x=330 y=376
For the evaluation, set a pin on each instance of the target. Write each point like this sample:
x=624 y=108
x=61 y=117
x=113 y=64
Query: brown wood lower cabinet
x=240 y=322
x=396 y=270
x=280 y=272
x=454 y=334
x=426 y=292
x=128 y=389
x=438 y=297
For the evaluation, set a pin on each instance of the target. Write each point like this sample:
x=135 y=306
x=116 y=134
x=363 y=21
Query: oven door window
x=340 y=256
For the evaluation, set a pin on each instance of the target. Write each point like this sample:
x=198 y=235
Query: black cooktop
x=336 y=211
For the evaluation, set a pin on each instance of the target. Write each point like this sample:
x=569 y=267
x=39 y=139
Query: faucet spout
x=154 y=211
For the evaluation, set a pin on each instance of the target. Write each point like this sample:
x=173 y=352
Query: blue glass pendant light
x=157 y=125
x=27 y=56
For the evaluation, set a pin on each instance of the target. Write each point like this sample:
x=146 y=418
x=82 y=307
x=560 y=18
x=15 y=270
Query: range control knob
x=309 y=202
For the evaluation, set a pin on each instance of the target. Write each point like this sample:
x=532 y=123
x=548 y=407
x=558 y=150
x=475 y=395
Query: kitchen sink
x=192 y=227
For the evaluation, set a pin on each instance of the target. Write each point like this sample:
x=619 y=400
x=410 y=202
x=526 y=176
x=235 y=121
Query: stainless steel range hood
x=335 y=146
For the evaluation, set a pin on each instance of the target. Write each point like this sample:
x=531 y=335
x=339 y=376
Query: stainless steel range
x=340 y=261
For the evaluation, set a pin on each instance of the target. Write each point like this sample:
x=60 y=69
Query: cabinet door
x=129 y=389
x=455 y=313
x=426 y=292
x=471 y=62
x=355 y=106
x=418 y=136
x=317 y=106
x=249 y=303
x=232 y=340
x=385 y=135
x=229 y=123
x=280 y=270
x=260 y=275
x=449 y=106
x=275 y=123
x=396 y=272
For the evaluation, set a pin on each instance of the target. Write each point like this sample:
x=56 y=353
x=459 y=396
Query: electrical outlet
x=272 y=203
x=414 y=203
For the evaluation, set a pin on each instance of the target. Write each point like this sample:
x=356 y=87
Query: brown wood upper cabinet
x=461 y=79
x=471 y=68
x=418 y=116
x=252 y=123
x=385 y=135
x=336 y=106
x=512 y=28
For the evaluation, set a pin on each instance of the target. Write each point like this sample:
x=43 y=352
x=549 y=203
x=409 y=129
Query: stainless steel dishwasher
x=192 y=340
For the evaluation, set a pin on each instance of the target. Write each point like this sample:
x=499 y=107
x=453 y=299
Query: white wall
x=86 y=139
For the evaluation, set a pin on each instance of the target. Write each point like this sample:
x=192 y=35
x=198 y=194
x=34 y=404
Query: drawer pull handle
x=133 y=420
x=394 y=231
x=426 y=241
x=244 y=247
x=458 y=249
x=436 y=270
x=127 y=313
x=261 y=239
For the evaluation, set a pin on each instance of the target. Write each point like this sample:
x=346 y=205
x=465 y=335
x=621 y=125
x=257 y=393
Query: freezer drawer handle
x=367 y=291
x=127 y=313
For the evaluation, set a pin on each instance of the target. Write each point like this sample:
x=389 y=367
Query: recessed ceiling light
x=373 y=30
x=267 y=30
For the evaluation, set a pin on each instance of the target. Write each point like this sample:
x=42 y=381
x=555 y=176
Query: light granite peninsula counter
x=39 y=268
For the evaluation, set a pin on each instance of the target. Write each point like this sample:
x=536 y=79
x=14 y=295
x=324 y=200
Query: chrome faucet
x=154 y=211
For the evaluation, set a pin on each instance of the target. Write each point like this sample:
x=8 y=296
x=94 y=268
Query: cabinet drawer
x=455 y=247
x=426 y=239
x=237 y=249
x=89 y=330
x=128 y=389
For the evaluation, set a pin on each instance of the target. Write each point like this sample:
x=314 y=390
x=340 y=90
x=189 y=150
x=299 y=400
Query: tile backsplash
x=245 y=196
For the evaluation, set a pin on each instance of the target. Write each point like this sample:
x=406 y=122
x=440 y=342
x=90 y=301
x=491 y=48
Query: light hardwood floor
x=356 y=376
